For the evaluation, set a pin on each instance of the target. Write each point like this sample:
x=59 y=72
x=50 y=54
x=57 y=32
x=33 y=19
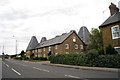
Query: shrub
x=101 y=50
x=26 y=58
x=109 y=61
x=90 y=59
x=110 y=50
x=92 y=56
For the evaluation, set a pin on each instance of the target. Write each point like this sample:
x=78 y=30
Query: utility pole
x=16 y=46
x=3 y=55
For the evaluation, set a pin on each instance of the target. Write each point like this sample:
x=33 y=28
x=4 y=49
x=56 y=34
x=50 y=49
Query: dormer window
x=115 y=32
x=74 y=39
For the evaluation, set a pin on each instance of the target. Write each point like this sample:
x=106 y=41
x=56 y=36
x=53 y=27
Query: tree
x=95 y=39
x=110 y=50
x=22 y=53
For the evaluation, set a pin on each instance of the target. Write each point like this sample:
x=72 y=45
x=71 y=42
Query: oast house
x=67 y=43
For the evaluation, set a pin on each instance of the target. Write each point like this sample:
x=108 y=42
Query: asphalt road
x=26 y=69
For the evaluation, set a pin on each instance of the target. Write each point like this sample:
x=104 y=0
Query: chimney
x=113 y=9
x=119 y=5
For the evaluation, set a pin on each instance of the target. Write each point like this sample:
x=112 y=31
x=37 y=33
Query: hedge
x=92 y=60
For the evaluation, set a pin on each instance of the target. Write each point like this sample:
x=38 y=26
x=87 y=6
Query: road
x=26 y=69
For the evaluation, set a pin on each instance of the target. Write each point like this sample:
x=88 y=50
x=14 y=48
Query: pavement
x=85 y=68
x=27 y=69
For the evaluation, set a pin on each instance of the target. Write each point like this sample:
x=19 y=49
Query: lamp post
x=15 y=45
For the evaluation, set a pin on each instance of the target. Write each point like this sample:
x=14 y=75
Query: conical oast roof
x=84 y=35
x=32 y=44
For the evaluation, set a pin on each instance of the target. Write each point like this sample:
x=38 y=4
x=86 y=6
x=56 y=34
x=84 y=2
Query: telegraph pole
x=16 y=46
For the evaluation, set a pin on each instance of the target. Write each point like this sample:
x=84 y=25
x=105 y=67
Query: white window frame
x=74 y=39
x=32 y=51
x=116 y=48
x=39 y=55
x=81 y=46
x=35 y=55
x=66 y=46
x=39 y=50
x=44 y=55
x=76 y=46
x=35 y=50
x=49 y=48
x=43 y=49
x=56 y=53
x=67 y=53
x=114 y=32
x=56 y=46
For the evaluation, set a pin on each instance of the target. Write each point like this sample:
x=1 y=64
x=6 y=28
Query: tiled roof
x=112 y=19
x=56 y=40
x=32 y=44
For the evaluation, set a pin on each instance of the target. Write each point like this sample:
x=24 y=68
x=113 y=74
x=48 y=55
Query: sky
x=22 y=19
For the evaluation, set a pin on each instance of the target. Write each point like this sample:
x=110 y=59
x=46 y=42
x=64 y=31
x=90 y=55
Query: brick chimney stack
x=113 y=9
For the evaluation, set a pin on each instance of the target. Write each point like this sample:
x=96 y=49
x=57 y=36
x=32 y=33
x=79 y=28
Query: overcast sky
x=47 y=18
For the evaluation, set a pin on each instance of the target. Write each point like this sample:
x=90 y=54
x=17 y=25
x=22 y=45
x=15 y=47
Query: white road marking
x=16 y=71
x=7 y=65
x=75 y=77
x=46 y=70
x=41 y=69
x=72 y=76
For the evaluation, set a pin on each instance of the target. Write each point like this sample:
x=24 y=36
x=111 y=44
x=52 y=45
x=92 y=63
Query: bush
x=101 y=50
x=109 y=61
x=110 y=50
x=92 y=56
x=26 y=58
x=90 y=59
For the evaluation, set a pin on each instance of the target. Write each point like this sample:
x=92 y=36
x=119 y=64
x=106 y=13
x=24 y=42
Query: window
x=76 y=52
x=32 y=51
x=39 y=55
x=44 y=49
x=74 y=39
x=35 y=50
x=81 y=46
x=44 y=55
x=49 y=49
x=56 y=46
x=76 y=46
x=117 y=49
x=39 y=50
x=35 y=55
x=56 y=53
x=67 y=52
x=66 y=46
x=115 y=32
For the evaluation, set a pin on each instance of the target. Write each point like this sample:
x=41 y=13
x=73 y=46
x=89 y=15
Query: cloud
x=13 y=15
x=4 y=2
